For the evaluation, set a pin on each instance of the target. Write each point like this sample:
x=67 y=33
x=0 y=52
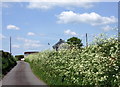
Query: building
x=28 y=53
x=57 y=45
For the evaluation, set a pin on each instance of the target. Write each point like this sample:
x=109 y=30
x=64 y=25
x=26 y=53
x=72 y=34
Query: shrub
x=8 y=62
x=19 y=57
x=95 y=65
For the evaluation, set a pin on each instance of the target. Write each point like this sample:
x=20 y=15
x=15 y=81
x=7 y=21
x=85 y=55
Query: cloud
x=59 y=0
x=88 y=18
x=13 y=27
x=69 y=32
x=30 y=43
x=108 y=28
x=27 y=40
x=4 y=5
x=10 y=0
x=2 y=37
x=16 y=46
x=30 y=33
x=48 y=4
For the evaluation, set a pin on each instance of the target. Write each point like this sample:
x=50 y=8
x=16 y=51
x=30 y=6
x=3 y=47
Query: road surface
x=21 y=74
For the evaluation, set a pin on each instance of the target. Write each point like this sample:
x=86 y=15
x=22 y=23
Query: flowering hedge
x=95 y=65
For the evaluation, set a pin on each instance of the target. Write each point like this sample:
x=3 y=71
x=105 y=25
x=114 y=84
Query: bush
x=8 y=62
x=19 y=57
x=95 y=65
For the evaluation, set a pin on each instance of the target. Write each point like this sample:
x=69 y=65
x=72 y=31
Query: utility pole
x=10 y=45
x=86 y=40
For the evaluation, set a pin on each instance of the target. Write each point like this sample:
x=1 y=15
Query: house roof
x=58 y=43
x=30 y=52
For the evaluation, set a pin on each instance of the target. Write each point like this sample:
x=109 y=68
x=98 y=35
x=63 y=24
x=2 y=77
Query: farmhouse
x=28 y=53
x=57 y=45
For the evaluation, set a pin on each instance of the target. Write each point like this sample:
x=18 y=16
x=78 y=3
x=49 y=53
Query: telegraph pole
x=86 y=40
x=10 y=45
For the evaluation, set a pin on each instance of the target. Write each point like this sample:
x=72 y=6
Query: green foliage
x=95 y=65
x=19 y=57
x=75 y=42
x=8 y=62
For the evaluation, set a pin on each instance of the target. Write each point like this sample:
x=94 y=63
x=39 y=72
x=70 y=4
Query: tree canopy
x=75 y=42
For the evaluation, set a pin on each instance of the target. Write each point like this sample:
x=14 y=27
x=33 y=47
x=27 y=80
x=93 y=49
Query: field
x=97 y=65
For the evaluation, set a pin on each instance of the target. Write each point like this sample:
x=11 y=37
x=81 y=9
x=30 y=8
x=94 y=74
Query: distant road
x=21 y=74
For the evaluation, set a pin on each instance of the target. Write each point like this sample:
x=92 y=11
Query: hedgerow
x=7 y=63
x=97 y=65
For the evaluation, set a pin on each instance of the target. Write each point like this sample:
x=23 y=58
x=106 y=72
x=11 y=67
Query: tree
x=75 y=42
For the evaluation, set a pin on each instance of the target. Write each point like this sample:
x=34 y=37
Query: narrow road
x=21 y=74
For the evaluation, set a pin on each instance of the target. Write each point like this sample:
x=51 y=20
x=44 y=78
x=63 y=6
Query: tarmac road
x=21 y=74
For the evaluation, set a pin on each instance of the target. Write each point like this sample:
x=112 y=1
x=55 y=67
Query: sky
x=32 y=25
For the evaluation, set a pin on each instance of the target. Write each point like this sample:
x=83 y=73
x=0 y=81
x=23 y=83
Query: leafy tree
x=19 y=57
x=75 y=42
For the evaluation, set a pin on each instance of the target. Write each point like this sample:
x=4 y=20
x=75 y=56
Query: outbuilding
x=28 y=53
